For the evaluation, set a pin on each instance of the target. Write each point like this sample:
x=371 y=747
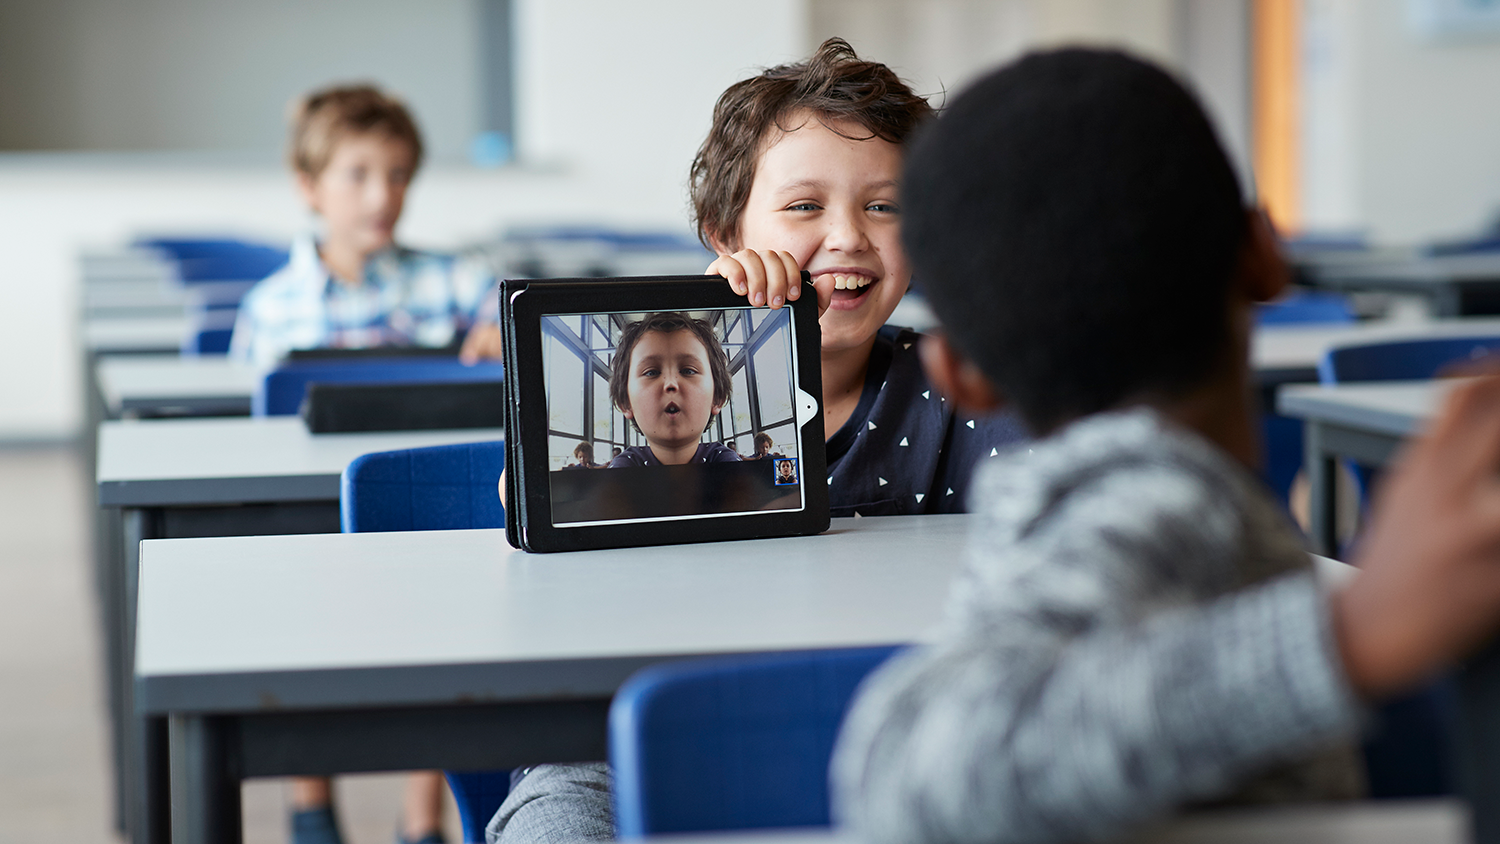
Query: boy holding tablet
x=354 y=151
x=800 y=171
x=1138 y=628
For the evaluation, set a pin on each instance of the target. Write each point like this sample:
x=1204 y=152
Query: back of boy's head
x=835 y=84
x=1077 y=226
x=668 y=322
x=324 y=118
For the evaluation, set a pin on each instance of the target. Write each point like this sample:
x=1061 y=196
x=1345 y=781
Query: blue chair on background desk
x=731 y=743
x=1403 y=360
x=445 y=487
x=1283 y=434
x=282 y=390
x=208 y=259
x=1408 y=753
x=217 y=273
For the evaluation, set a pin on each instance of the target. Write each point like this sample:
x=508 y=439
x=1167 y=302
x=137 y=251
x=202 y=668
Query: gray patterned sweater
x=1137 y=629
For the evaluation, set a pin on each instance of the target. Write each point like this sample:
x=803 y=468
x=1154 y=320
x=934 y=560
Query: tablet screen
x=670 y=415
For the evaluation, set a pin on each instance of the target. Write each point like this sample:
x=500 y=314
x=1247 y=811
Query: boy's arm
x=1429 y=589
x=1020 y=729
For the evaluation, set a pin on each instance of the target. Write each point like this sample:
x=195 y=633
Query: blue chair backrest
x=1305 y=307
x=283 y=388
x=1283 y=435
x=208 y=341
x=444 y=487
x=1402 y=360
x=731 y=743
x=441 y=487
x=219 y=259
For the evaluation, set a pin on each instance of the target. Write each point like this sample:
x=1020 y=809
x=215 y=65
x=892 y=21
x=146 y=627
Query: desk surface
x=1394 y=408
x=1300 y=347
x=133 y=334
x=336 y=620
x=1444 y=269
x=131 y=382
x=171 y=462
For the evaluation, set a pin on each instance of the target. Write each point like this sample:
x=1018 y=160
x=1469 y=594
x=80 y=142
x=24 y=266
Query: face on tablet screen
x=691 y=414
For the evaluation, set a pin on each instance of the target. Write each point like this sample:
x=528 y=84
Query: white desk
x=158 y=385
x=1363 y=422
x=1396 y=822
x=209 y=477
x=314 y=654
x=1455 y=284
x=129 y=334
x=189 y=462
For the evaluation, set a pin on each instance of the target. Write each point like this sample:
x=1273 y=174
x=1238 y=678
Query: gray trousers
x=554 y=804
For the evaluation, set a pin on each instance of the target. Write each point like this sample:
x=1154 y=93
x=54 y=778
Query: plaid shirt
x=408 y=298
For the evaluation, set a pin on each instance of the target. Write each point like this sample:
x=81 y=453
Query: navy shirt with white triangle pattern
x=903 y=451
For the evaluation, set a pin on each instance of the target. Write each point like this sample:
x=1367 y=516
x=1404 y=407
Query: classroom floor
x=55 y=780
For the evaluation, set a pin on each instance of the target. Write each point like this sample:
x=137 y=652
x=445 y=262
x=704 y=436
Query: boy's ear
x=956 y=377
x=720 y=245
x=1263 y=273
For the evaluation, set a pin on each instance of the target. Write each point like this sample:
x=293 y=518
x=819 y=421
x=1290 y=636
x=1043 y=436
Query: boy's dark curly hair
x=835 y=84
x=1077 y=227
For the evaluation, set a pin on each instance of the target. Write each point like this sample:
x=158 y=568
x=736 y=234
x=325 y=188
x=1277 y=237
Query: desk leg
x=1322 y=493
x=146 y=738
x=205 y=781
x=109 y=574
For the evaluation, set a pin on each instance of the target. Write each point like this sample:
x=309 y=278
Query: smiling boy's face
x=671 y=388
x=831 y=202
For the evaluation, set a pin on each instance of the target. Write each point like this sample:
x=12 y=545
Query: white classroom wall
x=1401 y=130
x=613 y=98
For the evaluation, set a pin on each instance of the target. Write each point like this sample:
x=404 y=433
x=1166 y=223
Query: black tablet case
x=528 y=512
x=347 y=408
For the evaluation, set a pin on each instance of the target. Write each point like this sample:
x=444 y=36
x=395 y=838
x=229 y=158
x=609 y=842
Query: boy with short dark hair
x=354 y=151
x=1138 y=628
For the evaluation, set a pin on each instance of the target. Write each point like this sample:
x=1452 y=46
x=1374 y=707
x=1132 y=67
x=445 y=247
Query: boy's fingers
x=755 y=275
x=793 y=275
x=1465 y=437
x=731 y=270
x=777 y=282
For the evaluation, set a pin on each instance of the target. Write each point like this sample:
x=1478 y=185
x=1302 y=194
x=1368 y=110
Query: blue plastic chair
x=1407 y=753
x=445 y=487
x=731 y=743
x=1402 y=360
x=218 y=258
x=282 y=390
x=1305 y=307
x=1283 y=434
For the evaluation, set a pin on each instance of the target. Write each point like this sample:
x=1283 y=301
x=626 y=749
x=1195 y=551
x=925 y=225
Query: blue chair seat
x=731 y=743
x=444 y=487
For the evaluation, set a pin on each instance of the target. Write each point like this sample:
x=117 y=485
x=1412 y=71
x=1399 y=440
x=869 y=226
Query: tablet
x=659 y=410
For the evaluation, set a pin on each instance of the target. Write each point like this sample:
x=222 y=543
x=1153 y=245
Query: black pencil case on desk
x=347 y=408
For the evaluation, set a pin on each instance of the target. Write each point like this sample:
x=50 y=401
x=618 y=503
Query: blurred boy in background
x=353 y=152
